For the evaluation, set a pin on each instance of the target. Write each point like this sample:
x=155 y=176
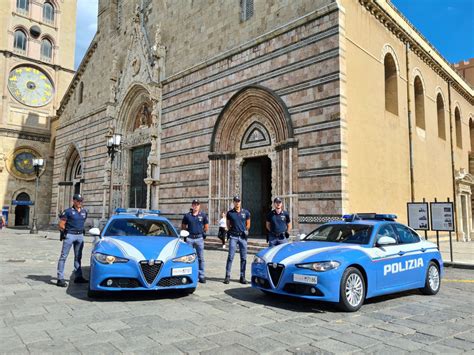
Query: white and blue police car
x=363 y=256
x=139 y=250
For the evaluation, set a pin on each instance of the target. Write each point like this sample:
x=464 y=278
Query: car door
x=412 y=267
x=387 y=259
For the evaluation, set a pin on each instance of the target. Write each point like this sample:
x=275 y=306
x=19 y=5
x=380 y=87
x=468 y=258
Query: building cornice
x=31 y=136
x=55 y=67
x=77 y=77
x=395 y=22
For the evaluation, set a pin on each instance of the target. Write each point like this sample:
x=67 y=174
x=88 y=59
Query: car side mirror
x=300 y=237
x=384 y=241
x=94 y=232
x=184 y=234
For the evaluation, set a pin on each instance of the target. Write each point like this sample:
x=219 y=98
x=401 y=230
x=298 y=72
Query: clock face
x=30 y=86
x=24 y=162
x=20 y=163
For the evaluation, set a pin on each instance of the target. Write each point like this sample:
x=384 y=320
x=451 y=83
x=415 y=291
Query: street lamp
x=38 y=164
x=113 y=147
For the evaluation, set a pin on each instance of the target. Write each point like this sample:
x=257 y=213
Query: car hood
x=140 y=247
x=301 y=252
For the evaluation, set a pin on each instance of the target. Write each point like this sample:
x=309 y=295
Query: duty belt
x=195 y=236
x=76 y=233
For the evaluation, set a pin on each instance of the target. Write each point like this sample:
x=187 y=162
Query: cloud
x=86 y=26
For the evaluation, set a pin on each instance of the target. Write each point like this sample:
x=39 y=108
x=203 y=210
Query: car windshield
x=139 y=227
x=341 y=233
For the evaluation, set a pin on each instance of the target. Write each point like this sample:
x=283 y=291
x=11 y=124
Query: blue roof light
x=369 y=216
x=136 y=211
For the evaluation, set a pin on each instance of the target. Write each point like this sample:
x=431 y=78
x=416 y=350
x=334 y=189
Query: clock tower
x=37 y=41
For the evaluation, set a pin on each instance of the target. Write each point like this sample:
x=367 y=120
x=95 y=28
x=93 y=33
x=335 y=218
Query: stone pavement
x=38 y=317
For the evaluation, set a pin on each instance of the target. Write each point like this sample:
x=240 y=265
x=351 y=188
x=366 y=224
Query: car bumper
x=323 y=286
x=130 y=277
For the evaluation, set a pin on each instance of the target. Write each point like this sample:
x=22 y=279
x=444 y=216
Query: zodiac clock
x=30 y=86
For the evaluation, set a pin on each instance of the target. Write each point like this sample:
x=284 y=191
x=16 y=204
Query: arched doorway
x=252 y=154
x=72 y=178
x=22 y=209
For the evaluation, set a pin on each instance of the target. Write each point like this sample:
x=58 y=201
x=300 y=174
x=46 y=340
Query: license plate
x=181 y=271
x=307 y=279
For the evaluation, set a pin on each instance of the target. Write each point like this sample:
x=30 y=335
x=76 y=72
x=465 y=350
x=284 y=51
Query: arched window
x=48 y=12
x=22 y=6
x=471 y=133
x=46 y=50
x=81 y=92
x=441 y=120
x=457 y=125
x=391 y=85
x=419 y=103
x=19 y=42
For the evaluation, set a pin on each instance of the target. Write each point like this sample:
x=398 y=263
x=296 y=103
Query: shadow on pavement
x=47 y=279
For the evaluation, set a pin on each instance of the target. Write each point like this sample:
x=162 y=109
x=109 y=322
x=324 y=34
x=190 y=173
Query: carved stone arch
x=72 y=159
x=388 y=49
x=439 y=91
x=254 y=127
x=134 y=99
x=416 y=72
x=26 y=190
x=457 y=106
x=242 y=108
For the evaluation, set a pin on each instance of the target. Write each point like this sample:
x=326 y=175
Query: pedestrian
x=197 y=224
x=238 y=225
x=222 y=229
x=278 y=224
x=3 y=223
x=71 y=223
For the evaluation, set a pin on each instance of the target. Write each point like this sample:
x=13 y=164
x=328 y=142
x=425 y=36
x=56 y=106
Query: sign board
x=22 y=203
x=442 y=216
x=418 y=215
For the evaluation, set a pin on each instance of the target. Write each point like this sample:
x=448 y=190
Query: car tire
x=432 y=280
x=352 y=290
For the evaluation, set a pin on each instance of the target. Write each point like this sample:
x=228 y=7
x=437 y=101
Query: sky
x=447 y=24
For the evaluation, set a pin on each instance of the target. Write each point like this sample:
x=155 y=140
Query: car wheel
x=352 y=290
x=432 y=281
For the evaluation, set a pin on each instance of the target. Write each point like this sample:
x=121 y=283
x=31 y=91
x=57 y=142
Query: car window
x=139 y=227
x=386 y=230
x=341 y=233
x=406 y=235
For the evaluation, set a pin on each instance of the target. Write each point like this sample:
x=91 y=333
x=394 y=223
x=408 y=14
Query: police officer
x=238 y=225
x=197 y=224
x=278 y=224
x=71 y=223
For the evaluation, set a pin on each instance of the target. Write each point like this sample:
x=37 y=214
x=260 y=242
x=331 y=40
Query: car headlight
x=321 y=266
x=186 y=259
x=108 y=259
x=258 y=260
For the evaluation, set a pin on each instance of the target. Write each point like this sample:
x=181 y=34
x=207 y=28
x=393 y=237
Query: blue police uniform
x=74 y=236
x=237 y=236
x=278 y=227
x=195 y=226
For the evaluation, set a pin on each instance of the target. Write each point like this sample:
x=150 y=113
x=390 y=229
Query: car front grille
x=302 y=289
x=275 y=270
x=150 y=272
x=174 y=281
x=121 y=282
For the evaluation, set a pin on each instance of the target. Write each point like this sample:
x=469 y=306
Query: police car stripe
x=169 y=251
x=128 y=250
x=268 y=256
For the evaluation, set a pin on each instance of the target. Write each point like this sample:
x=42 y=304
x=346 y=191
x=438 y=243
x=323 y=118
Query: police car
x=139 y=250
x=363 y=256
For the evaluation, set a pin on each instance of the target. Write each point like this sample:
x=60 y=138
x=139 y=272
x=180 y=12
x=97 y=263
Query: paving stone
x=197 y=344
x=394 y=328
x=230 y=349
x=162 y=350
x=335 y=346
x=422 y=338
x=100 y=327
x=307 y=349
x=382 y=349
x=468 y=336
x=265 y=345
x=227 y=338
x=404 y=343
x=357 y=340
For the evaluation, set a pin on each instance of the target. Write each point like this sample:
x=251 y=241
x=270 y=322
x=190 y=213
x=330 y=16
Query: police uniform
x=195 y=226
x=278 y=227
x=237 y=236
x=74 y=236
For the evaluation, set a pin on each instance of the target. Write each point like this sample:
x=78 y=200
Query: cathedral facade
x=37 y=64
x=334 y=106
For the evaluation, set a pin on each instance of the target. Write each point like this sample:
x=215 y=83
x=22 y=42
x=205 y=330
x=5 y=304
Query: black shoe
x=80 y=280
x=202 y=280
x=61 y=283
x=243 y=281
x=227 y=280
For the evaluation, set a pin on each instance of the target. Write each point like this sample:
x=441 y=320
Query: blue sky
x=447 y=24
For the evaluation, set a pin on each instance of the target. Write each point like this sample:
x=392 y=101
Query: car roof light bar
x=136 y=211
x=369 y=216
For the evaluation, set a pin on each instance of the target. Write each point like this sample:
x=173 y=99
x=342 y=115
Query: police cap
x=78 y=197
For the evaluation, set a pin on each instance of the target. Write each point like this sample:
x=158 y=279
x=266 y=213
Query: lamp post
x=113 y=147
x=38 y=164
